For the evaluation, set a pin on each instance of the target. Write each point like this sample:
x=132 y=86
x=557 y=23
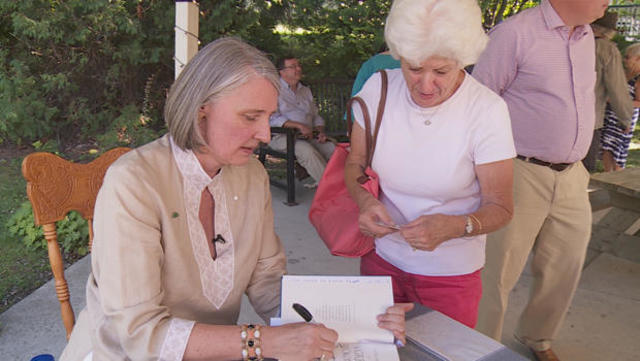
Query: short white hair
x=418 y=29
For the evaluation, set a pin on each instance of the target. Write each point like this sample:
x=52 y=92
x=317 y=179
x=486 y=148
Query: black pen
x=303 y=312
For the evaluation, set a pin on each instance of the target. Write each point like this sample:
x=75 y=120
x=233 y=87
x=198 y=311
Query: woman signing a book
x=443 y=155
x=184 y=227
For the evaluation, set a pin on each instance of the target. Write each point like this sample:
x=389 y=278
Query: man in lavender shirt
x=542 y=62
x=297 y=109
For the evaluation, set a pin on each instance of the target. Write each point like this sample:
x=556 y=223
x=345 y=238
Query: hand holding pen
x=393 y=319
x=328 y=337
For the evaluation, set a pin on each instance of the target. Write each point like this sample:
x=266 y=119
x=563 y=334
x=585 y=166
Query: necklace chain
x=427 y=121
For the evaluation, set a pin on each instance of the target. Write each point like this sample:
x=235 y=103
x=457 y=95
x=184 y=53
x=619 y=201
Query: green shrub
x=132 y=128
x=73 y=231
x=69 y=68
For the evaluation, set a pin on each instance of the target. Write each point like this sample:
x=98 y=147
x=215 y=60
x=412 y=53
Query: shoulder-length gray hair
x=418 y=29
x=217 y=69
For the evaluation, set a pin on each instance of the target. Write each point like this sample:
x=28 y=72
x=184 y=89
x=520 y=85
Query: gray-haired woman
x=184 y=227
x=443 y=156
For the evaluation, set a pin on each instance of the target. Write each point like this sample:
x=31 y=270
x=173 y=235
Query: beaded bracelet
x=251 y=343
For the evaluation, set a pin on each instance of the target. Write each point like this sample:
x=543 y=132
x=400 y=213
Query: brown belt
x=555 y=166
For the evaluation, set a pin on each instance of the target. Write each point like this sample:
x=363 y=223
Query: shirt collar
x=554 y=21
x=285 y=85
x=190 y=167
x=551 y=17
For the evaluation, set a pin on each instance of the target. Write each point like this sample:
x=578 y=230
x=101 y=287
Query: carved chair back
x=56 y=186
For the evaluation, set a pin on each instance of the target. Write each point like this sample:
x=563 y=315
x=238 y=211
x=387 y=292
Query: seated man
x=296 y=109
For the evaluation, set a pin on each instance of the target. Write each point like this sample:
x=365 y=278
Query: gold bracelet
x=477 y=221
x=251 y=343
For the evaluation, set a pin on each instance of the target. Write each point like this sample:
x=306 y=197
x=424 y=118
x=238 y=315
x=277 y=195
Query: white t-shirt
x=429 y=169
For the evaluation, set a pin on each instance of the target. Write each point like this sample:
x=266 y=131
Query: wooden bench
x=617 y=228
x=623 y=187
x=290 y=158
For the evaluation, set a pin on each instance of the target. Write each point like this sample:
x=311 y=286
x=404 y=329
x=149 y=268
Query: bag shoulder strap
x=381 y=105
x=369 y=139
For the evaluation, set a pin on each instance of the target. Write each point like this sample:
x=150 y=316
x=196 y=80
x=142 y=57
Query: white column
x=186 y=33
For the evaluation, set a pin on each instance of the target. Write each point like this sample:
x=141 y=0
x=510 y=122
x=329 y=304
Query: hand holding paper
x=394 y=320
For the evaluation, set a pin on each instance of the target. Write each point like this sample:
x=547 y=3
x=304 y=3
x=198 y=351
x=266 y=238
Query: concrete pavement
x=603 y=322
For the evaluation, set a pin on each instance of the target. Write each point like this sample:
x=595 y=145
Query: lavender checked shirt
x=547 y=78
x=297 y=106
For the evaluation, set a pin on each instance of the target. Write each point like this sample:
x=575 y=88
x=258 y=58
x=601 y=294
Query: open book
x=349 y=305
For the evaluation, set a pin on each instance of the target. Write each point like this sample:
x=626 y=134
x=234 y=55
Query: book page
x=449 y=339
x=347 y=304
x=366 y=352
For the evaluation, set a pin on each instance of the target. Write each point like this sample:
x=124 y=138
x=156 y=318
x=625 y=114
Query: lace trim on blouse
x=216 y=276
x=175 y=342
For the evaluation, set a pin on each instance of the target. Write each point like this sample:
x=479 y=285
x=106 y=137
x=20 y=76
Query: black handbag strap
x=370 y=140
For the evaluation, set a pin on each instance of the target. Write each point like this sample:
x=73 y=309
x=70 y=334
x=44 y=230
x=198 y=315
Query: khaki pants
x=552 y=219
x=311 y=154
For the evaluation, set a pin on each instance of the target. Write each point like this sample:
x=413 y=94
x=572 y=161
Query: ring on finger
x=323 y=357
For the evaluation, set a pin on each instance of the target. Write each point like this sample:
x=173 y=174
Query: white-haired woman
x=616 y=137
x=184 y=227
x=443 y=155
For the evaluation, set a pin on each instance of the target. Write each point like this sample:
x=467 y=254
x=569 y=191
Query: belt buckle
x=559 y=167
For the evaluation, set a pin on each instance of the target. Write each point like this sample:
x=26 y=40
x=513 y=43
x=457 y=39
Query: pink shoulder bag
x=333 y=212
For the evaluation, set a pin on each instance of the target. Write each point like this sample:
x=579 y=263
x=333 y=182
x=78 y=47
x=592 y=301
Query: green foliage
x=250 y=20
x=494 y=11
x=633 y=159
x=621 y=42
x=332 y=38
x=131 y=128
x=92 y=70
x=73 y=231
x=70 y=67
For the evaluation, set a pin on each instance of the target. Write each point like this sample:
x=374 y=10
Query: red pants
x=455 y=296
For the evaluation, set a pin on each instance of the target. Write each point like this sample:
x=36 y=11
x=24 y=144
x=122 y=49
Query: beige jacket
x=611 y=84
x=152 y=275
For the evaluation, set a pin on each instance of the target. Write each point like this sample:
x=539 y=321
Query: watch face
x=469 y=227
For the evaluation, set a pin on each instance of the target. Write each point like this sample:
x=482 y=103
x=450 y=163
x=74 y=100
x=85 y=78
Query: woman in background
x=615 y=138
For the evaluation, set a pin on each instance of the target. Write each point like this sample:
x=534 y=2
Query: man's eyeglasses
x=296 y=66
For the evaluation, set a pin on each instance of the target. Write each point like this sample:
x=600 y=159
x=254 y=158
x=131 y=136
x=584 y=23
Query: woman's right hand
x=372 y=213
x=299 y=341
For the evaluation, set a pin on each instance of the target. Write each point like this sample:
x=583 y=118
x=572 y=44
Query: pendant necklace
x=428 y=117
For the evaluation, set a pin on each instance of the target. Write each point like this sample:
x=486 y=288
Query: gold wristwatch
x=468 y=228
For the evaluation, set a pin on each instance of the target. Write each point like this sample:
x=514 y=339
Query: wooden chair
x=56 y=186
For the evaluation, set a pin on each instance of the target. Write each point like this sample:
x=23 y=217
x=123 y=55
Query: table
x=623 y=187
x=459 y=340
